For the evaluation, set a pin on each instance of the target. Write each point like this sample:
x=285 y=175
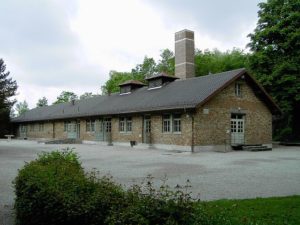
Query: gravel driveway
x=213 y=175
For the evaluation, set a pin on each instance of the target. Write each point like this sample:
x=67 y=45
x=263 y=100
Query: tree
x=21 y=108
x=215 y=61
x=115 y=78
x=167 y=62
x=146 y=69
x=65 y=96
x=275 y=44
x=8 y=88
x=42 y=102
x=86 y=95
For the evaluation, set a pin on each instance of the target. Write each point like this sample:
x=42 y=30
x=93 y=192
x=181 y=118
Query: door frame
x=237 y=129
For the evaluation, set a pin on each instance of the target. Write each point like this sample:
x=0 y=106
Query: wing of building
x=184 y=112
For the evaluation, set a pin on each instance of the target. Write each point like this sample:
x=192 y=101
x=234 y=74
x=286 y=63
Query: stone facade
x=208 y=125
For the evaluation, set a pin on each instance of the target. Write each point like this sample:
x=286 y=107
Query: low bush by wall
x=53 y=189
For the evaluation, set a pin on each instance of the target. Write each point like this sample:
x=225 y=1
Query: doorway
x=147 y=129
x=237 y=129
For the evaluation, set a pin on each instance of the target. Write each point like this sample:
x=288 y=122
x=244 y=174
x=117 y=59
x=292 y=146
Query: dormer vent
x=129 y=86
x=159 y=80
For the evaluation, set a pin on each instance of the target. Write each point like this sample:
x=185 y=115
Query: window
x=125 y=124
x=32 y=127
x=23 y=128
x=122 y=124
x=167 y=123
x=90 y=125
x=238 y=90
x=177 y=123
x=172 y=123
x=41 y=127
x=107 y=125
x=129 y=124
x=66 y=123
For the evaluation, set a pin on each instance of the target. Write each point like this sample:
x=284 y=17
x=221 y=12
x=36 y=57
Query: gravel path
x=212 y=175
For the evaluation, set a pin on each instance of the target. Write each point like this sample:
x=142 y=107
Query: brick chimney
x=184 y=54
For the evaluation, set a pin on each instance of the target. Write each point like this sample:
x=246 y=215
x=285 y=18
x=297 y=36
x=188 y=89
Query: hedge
x=54 y=189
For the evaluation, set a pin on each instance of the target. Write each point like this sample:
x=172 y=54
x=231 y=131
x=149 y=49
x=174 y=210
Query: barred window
x=167 y=123
x=125 y=124
x=90 y=125
x=177 y=123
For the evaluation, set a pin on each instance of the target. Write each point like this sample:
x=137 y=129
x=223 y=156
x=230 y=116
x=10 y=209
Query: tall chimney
x=184 y=54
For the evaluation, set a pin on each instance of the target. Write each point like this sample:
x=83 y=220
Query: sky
x=50 y=46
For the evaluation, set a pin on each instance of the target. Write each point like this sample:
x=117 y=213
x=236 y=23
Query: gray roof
x=179 y=94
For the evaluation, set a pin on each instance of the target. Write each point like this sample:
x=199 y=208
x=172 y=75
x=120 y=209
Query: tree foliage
x=21 y=108
x=215 y=61
x=275 y=61
x=65 y=96
x=42 y=102
x=86 y=95
x=205 y=62
x=8 y=88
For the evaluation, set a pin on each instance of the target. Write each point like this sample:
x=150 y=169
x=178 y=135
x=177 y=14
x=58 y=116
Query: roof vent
x=128 y=86
x=160 y=79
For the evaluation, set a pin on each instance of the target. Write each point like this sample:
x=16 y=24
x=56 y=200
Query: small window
x=32 y=127
x=177 y=123
x=23 y=128
x=166 y=123
x=41 y=127
x=90 y=125
x=238 y=90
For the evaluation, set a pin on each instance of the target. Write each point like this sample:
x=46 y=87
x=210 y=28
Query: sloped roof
x=180 y=94
x=134 y=82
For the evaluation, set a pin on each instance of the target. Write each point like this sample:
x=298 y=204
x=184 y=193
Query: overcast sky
x=55 y=45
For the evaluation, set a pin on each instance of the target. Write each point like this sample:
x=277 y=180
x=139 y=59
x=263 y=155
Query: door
x=72 y=130
x=23 y=131
x=147 y=129
x=99 y=130
x=237 y=129
x=107 y=130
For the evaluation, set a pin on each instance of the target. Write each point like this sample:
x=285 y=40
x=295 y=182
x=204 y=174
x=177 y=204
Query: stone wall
x=212 y=128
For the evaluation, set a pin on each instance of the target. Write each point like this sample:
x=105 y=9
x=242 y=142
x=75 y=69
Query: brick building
x=183 y=112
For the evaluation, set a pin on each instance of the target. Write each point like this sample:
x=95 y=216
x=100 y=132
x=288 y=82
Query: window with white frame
x=90 y=125
x=171 y=123
x=166 y=123
x=177 y=123
x=238 y=90
x=125 y=124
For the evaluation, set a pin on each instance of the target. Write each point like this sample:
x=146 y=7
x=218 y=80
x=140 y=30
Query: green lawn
x=274 y=211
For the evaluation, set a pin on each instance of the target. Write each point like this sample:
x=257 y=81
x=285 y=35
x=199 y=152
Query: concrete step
x=256 y=148
x=64 y=141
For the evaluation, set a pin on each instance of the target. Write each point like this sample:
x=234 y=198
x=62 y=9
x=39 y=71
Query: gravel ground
x=213 y=175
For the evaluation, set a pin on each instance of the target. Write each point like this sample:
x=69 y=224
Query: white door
x=237 y=129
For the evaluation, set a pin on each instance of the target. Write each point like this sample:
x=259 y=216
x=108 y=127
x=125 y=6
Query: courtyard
x=212 y=175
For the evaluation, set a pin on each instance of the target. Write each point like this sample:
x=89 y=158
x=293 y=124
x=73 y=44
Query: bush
x=53 y=189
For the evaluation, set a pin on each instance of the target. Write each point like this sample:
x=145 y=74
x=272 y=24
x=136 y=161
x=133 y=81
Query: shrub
x=53 y=189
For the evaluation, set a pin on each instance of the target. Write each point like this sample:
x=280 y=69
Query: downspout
x=192 y=144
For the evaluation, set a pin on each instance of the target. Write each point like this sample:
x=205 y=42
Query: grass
x=273 y=211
